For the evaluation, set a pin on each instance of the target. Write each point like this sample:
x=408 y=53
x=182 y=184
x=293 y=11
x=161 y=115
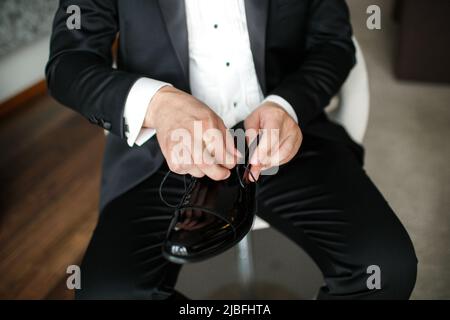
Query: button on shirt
x=221 y=69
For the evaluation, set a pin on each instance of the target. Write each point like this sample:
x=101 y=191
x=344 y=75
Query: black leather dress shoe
x=213 y=217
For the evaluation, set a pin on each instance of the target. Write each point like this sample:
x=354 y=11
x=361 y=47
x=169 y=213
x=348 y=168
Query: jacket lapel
x=174 y=15
x=257 y=13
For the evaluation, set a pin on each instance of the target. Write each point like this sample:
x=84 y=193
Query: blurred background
x=51 y=157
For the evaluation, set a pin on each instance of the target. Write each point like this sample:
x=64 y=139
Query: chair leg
x=245 y=265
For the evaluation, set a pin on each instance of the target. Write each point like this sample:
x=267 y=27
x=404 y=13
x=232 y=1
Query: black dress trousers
x=322 y=200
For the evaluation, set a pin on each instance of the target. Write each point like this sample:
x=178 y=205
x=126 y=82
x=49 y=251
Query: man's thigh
x=124 y=259
x=324 y=201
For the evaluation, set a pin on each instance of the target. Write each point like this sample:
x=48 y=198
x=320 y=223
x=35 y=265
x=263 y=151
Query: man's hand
x=173 y=113
x=275 y=147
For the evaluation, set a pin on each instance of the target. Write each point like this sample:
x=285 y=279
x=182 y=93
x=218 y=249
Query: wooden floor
x=49 y=180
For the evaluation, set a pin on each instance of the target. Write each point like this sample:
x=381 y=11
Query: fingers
x=268 y=142
x=265 y=154
x=196 y=172
x=288 y=149
x=219 y=144
x=278 y=144
x=255 y=171
x=229 y=143
x=182 y=139
x=197 y=158
x=212 y=154
x=252 y=126
x=215 y=152
x=269 y=153
x=212 y=170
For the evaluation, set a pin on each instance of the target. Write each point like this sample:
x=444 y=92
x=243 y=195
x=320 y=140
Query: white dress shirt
x=221 y=69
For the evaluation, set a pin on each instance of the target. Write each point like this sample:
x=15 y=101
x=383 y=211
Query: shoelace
x=188 y=188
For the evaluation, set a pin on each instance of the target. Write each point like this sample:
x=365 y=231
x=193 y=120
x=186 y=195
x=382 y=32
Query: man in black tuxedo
x=288 y=58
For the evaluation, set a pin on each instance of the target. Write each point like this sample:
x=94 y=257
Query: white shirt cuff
x=282 y=103
x=136 y=107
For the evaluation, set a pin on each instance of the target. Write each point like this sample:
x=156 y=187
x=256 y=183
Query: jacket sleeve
x=79 y=71
x=330 y=55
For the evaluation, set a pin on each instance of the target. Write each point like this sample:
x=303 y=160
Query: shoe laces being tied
x=243 y=178
x=185 y=199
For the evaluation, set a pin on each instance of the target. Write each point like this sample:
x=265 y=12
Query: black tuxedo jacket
x=302 y=50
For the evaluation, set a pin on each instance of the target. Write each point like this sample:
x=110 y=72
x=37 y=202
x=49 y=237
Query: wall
x=24 y=43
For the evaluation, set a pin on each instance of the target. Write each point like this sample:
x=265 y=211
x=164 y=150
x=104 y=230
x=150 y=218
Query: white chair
x=350 y=109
